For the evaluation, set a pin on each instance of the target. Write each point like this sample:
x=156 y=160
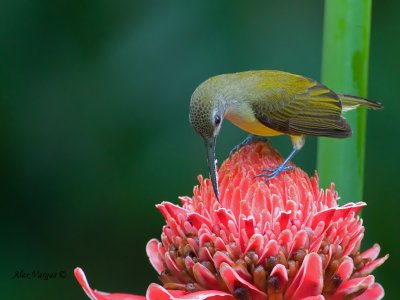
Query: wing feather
x=313 y=110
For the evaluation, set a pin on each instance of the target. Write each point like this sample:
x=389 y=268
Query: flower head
x=284 y=239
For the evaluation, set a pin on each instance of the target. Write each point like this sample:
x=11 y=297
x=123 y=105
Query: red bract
x=284 y=239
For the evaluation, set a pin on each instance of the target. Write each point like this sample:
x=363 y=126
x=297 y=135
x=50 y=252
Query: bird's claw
x=279 y=168
x=235 y=149
x=247 y=141
x=274 y=172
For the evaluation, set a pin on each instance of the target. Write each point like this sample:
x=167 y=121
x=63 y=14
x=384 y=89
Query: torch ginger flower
x=283 y=239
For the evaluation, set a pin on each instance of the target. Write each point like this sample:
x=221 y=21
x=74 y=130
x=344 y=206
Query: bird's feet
x=271 y=173
x=251 y=138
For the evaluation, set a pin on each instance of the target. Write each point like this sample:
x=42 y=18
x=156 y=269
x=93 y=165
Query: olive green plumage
x=269 y=103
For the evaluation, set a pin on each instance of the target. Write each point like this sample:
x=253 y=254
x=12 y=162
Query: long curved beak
x=212 y=163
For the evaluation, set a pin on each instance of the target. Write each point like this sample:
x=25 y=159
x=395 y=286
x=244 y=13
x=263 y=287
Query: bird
x=270 y=103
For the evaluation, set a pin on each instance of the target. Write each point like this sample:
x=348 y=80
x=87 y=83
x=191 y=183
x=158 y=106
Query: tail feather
x=351 y=102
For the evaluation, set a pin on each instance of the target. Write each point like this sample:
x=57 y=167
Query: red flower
x=284 y=239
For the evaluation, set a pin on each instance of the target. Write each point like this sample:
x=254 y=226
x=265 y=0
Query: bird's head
x=207 y=109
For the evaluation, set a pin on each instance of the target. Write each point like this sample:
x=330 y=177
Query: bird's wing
x=312 y=109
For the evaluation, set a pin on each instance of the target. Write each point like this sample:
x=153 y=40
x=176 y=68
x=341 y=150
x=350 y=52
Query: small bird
x=270 y=103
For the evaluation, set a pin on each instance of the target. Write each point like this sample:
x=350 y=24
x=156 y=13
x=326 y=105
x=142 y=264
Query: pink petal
x=204 y=254
x=325 y=215
x=353 y=286
x=152 y=253
x=96 y=295
x=170 y=210
x=255 y=243
x=345 y=269
x=300 y=240
x=220 y=244
x=328 y=257
x=204 y=276
x=225 y=217
x=283 y=219
x=281 y=274
x=308 y=280
x=285 y=237
x=189 y=263
x=157 y=292
x=375 y=292
x=249 y=226
x=198 y=220
x=316 y=244
x=320 y=297
x=174 y=269
x=372 y=252
x=174 y=215
x=352 y=244
x=221 y=257
x=370 y=267
x=234 y=283
x=271 y=249
x=343 y=211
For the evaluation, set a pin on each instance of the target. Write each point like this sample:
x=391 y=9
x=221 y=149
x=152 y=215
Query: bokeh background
x=94 y=126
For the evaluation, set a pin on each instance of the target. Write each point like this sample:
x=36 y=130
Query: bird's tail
x=351 y=102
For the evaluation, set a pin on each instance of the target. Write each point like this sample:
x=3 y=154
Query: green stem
x=345 y=70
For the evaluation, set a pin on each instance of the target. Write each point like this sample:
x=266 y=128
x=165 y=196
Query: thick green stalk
x=345 y=69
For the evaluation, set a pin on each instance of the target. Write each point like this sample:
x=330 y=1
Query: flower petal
x=80 y=276
x=238 y=286
x=372 y=253
x=345 y=269
x=157 y=292
x=324 y=215
x=300 y=240
x=375 y=292
x=370 y=267
x=198 y=220
x=255 y=243
x=270 y=249
x=308 y=280
x=353 y=286
x=204 y=276
x=152 y=253
x=280 y=275
x=96 y=295
x=283 y=219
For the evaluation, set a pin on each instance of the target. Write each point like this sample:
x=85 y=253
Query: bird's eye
x=217 y=120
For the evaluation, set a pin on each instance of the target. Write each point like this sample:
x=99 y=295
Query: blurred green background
x=94 y=126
